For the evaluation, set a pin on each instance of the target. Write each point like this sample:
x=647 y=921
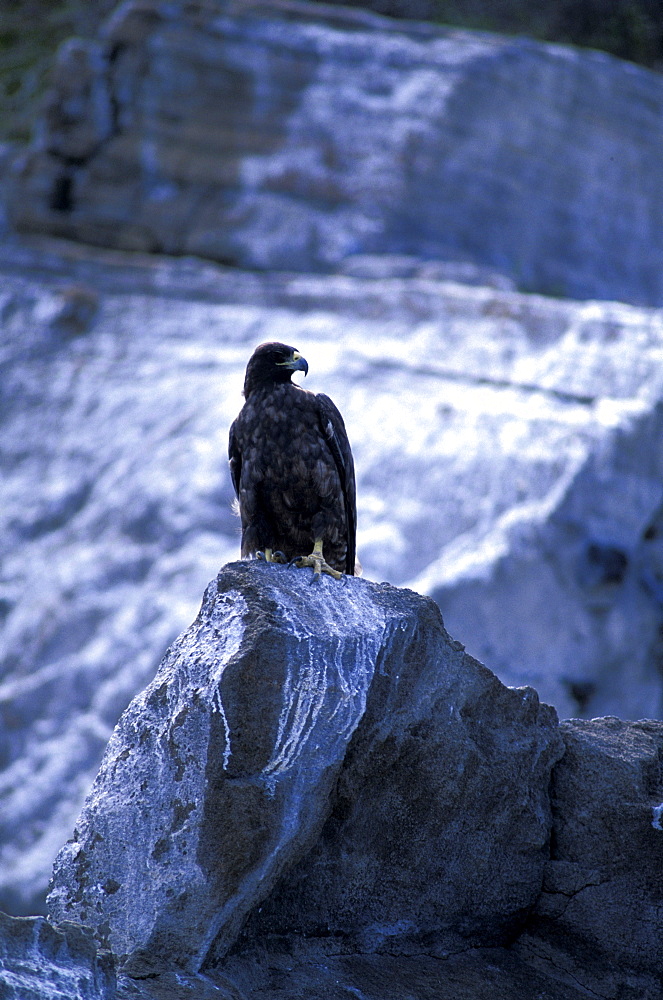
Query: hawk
x=292 y=469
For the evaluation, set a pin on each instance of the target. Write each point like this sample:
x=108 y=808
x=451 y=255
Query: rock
x=493 y=433
x=331 y=739
x=598 y=920
x=177 y=985
x=478 y=974
x=322 y=794
x=295 y=135
x=481 y=974
x=79 y=116
x=41 y=962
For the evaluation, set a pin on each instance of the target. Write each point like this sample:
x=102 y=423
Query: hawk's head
x=271 y=364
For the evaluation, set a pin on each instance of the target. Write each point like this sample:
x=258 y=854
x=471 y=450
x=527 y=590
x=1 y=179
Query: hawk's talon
x=317 y=563
x=270 y=557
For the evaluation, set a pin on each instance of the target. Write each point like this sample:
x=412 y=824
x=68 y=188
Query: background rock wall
x=285 y=134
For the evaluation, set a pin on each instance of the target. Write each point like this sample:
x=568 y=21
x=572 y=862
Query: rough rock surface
x=286 y=705
x=602 y=903
x=275 y=133
x=42 y=962
x=325 y=761
x=32 y=971
x=507 y=446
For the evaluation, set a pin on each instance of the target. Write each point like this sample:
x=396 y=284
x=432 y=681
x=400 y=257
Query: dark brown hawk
x=292 y=469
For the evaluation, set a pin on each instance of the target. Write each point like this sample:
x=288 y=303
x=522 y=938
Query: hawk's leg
x=316 y=561
x=268 y=556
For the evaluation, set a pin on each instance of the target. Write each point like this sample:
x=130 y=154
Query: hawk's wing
x=235 y=459
x=333 y=429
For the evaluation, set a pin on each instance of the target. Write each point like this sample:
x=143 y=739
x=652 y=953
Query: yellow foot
x=317 y=562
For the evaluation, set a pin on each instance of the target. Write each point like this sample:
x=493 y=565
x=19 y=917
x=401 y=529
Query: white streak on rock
x=657 y=812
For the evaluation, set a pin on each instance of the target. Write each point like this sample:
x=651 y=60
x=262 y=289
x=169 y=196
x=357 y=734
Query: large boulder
x=322 y=794
x=330 y=736
x=276 y=133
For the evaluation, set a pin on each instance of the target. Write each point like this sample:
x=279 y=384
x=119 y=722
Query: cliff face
x=285 y=134
x=320 y=792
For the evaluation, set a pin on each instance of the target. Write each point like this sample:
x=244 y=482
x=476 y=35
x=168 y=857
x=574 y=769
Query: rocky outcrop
x=275 y=133
x=285 y=707
x=508 y=459
x=603 y=887
x=321 y=794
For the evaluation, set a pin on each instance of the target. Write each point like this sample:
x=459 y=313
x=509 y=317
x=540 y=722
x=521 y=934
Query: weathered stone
x=276 y=133
x=379 y=267
x=167 y=984
x=440 y=817
x=220 y=776
x=586 y=571
x=600 y=916
x=482 y=974
x=41 y=962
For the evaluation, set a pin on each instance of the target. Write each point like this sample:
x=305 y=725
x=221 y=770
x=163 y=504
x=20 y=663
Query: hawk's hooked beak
x=297 y=363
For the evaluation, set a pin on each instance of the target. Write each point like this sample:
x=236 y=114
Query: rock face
x=274 y=134
x=603 y=889
x=285 y=707
x=580 y=571
x=508 y=461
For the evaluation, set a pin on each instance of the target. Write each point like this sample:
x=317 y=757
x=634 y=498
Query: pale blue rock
x=282 y=134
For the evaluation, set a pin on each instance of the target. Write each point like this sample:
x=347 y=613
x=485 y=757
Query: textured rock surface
x=285 y=134
x=483 y=974
x=601 y=910
x=393 y=821
x=42 y=962
x=507 y=446
x=32 y=972
x=220 y=775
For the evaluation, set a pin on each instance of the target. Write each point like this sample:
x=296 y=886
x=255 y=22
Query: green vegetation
x=32 y=30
